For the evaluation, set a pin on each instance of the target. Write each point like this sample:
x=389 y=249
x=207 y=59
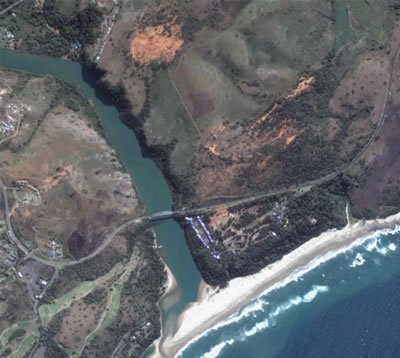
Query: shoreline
x=170 y=286
x=169 y=290
x=213 y=306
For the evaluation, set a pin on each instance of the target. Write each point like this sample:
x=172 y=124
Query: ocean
x=347 y=306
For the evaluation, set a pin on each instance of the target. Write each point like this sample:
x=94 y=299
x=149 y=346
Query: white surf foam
x=250 y=310
x=375 y=244
x=311 y=295
x=258 y=327
x=371 y=242
x=270 y=321
x=293 y=302
x=358 y=261
x=216 y=350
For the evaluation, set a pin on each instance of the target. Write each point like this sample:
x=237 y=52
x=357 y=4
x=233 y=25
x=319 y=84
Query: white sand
x=215 y=305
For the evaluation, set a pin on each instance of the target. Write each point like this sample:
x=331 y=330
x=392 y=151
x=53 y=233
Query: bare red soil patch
x=160 y=42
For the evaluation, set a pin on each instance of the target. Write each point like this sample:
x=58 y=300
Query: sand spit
x=214 y=306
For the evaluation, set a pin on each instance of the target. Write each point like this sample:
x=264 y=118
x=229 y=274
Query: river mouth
x=148 y=179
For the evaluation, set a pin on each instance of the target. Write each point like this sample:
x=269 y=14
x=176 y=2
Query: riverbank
x=149 y=181
x=170 y=288
x=214 y=306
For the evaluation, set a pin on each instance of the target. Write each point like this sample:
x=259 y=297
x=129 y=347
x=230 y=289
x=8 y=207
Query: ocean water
x=347 y=306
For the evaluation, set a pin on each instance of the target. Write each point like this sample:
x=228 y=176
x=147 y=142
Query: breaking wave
x=293 y=302
x=370 y=243
x=270 y=321
x=375 y=244
x=216 y=350
x=358 y=261
x=250 y=310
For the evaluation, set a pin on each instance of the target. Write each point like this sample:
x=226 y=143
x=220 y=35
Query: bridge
x=232 y=202
x=161 y=215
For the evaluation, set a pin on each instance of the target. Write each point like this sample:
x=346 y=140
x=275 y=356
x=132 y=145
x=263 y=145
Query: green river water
x=148 y=179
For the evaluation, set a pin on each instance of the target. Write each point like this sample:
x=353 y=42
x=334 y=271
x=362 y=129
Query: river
x=346 y=307
x=149 y=180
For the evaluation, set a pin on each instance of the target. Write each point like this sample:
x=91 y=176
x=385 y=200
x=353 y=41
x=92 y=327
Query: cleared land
x=156 y=43
x=66 y=183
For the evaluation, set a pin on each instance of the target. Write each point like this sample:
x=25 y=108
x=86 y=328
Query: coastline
x=213 y=306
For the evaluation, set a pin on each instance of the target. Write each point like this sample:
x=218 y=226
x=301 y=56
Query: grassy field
x=109 y=314
x=355 y=32
x=112 y=308
x=8 y=334
x=130 y=306
x=236 y=64
x=211 y=101
x=79 y=199
x=47 y=311
x=25 y=346
x=82 y=313
x=19 y=338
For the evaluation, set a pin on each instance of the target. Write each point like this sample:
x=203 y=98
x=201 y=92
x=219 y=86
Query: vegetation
x=131 y=287
x=52 y=348
x=80 y=27
x=19 y=338
x=323 y=205
x=95 y=296
x=49 y=31
x=47 y=311
x=29 y=26
x=191 y=25
x=133 y=310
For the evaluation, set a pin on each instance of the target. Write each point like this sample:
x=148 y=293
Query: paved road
x=10 y=232
x=223 y=203
x=345 y=168
x=59 y=263
x=384 y=114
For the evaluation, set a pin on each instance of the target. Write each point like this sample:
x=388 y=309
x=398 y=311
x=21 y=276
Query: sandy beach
x=168 y=298
x=214 y=306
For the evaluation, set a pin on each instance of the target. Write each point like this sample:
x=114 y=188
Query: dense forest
x=325 y=204
x=80 y=27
